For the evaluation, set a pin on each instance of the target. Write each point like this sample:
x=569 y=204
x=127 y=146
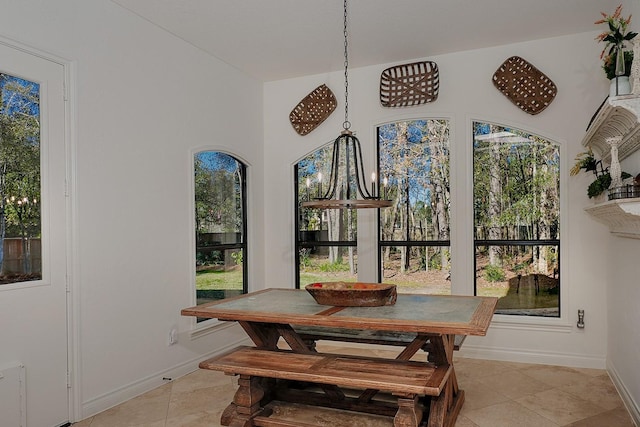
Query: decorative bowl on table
x=358 y=294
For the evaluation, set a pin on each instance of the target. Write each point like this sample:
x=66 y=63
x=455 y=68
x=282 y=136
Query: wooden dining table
x=274 y=315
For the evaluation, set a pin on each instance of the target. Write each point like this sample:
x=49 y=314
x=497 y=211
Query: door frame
x=70 y=144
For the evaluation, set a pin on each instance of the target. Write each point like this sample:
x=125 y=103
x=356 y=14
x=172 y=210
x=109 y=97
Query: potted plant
x=609 y=64
x=602 y=182
x=616 y=61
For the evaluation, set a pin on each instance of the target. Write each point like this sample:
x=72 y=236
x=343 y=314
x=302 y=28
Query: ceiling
x=278 y=39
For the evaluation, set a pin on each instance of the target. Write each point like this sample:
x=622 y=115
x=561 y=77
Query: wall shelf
x=621 y=215
x=618 y=116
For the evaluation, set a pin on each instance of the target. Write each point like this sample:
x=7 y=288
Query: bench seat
x=393 y=376
x=312 y=333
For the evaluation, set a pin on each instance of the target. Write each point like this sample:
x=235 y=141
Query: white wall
x=467 y=93
x=623 y=295
x=143 y=101
x=623 y=338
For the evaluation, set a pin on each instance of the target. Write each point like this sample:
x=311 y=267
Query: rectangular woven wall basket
x=409 y=84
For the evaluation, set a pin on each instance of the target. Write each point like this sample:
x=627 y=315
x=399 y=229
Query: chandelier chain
x=346 y=125
x=347 y=188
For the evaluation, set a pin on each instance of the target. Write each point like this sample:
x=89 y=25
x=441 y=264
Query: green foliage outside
x=218 y=184
x=305 y=258
x=19 y=166
x=494 y=273
x=516 y=184
x=333 y=267
x=237 y=257
x=209 y=258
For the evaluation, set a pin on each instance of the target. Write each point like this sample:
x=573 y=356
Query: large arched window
x=516 y=188
x=414 y=233
x=220 y=226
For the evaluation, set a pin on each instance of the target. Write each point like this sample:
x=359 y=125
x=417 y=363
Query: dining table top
x=420 y=313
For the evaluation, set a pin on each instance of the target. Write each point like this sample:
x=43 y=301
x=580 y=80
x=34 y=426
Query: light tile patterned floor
x=498 y=394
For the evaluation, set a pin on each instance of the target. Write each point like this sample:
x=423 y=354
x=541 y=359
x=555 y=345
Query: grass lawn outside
x=214 y=279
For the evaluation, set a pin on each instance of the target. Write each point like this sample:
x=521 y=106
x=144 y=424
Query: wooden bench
x=407 y=380
x=311 y=334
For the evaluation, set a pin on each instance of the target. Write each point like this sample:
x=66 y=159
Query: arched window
x=414 y=233
x=516 y=188
x=220 y=226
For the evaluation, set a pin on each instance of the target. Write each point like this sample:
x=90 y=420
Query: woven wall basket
x=313 y=110
x=409 y=84
x=524 y=85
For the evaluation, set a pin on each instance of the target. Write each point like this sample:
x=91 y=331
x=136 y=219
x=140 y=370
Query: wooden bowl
x=358 y=294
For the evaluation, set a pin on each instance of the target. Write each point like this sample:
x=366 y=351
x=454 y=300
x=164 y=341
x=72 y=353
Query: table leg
x=262 y=334
x=445 y=408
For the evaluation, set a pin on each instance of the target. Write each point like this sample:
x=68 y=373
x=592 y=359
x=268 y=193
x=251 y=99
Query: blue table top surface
x=408 y=307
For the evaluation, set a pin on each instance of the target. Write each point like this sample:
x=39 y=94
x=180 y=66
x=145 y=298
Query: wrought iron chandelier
x=346 y=190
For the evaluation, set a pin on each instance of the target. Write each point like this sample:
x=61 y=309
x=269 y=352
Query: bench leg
x=228 y=414
x=409 y=414
x=246 y=402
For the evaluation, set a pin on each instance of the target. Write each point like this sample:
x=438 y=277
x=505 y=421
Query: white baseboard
x=574 y=360
x=627 y=399
x=143 y=385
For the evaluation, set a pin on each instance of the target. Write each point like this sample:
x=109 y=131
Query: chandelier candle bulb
x=308 y=184
x=319 y=185
x=385 y=181
x=373 y=184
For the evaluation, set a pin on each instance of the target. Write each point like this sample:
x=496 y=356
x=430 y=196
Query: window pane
x=328 y=264
x=516 y=185
x=321 y=263
x=414 y=231
x=426 y=271
x=414 y=161
x=218 y=185
x=220 y=222
x=328 y=225
x=21 y=254
x=527 y=281
x=219 y=275
x=312 y=178
x=517 y=206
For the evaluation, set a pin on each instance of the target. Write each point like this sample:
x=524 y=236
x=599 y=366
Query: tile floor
x=498 y=394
